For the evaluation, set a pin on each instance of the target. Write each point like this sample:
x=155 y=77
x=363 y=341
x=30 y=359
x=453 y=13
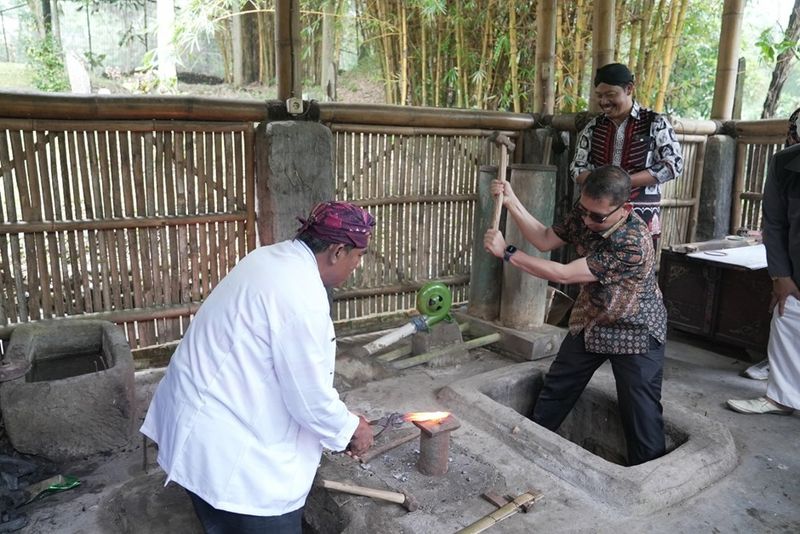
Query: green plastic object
x=52 y=485
x=433 y=301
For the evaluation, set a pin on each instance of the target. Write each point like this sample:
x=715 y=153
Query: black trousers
x=638 y=378
x=221 y=522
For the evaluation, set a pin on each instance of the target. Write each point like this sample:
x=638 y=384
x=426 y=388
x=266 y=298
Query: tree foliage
x=473 y=53
x=482 y=53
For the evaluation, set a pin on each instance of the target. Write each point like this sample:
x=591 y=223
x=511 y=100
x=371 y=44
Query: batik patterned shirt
x=645 y=140
x=624 y=307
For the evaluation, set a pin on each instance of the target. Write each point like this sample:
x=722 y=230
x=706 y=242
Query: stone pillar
x=486 y=273
x=714 y=216
x=294 y=171
x=524 y=297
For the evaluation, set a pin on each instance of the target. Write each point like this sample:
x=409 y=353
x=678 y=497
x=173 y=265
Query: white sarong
x=784 y=355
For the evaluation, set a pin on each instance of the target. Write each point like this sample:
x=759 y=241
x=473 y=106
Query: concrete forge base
x=78 y=396
x=590 y=450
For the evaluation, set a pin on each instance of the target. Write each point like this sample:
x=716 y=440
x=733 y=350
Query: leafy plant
x=771 y=48
x=47 y=63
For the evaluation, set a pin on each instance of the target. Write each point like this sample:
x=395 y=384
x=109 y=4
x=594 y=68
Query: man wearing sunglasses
x=619 y=314
x=632 y=137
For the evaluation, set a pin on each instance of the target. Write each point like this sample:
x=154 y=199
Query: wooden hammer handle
x=501 y=175
x=391 y=496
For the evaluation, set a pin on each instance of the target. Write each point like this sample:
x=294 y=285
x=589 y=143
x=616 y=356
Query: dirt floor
x=123 y=492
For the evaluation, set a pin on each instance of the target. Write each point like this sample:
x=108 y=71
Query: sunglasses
x=594 y=217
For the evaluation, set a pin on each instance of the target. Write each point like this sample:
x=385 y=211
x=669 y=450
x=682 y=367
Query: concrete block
x=441 y=335
x=294 y=171
x=78 y=396
x=534 y=344
x=585 y=452
x=714 y=216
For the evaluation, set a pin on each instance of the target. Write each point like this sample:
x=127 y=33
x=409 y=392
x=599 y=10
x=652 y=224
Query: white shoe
x=758 y=405
x=758 y=371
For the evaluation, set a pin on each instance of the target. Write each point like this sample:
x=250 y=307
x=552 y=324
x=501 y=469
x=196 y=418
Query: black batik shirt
x=624 y=307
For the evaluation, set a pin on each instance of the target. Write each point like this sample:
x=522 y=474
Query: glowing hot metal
x=425 y=416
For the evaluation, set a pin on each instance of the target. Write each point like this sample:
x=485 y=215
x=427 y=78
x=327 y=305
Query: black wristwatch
x=510 y=250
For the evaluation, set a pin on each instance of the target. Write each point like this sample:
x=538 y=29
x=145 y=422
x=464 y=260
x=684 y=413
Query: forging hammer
x=506 y=145
x=406 y=499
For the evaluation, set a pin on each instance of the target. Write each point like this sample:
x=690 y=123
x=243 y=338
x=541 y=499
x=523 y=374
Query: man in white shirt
x=247 y=402
x=781 y=233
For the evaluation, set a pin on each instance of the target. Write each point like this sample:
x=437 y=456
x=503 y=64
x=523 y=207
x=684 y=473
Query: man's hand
x=782 y=287
x=502 y=186
x=362 y=438
x=494 y=243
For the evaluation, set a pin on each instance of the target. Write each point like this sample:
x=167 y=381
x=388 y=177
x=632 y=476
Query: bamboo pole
x=602 y=38
x=122 y=223
x=410 y=287
x=738 y=187
x=466 y=345
x=502 y=513
x=544 y=89
x=513 y=54
x=287 y=49
x=228 y=112
x=727 y=59
x=121 y=316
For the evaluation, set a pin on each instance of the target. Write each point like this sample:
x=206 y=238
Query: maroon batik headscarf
x=339 y=222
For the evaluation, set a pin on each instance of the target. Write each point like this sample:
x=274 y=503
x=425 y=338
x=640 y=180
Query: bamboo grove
x=454 y=53
x=481 y=53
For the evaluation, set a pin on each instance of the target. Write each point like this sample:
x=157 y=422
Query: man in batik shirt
x=619 y=314
x=627 y=135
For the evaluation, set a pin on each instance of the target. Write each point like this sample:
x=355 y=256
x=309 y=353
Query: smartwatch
x=510 y=250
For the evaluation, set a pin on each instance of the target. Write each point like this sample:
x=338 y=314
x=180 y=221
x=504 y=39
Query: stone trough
x=77 y=397
x=589 y=449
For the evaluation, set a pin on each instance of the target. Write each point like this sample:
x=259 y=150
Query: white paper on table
x=752 y=257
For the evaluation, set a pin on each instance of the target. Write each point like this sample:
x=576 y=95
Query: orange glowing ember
x=425 y=416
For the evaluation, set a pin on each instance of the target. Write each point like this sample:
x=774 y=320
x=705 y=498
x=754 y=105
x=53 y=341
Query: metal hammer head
x=410 y=503
x=502 y=139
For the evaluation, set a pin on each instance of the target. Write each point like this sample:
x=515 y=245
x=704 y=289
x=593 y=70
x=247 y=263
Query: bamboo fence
x=756 y=142
x=133 y=222
x=680 y=199
x=420 y=183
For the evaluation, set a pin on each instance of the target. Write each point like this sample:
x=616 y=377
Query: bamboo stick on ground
x=428 y=356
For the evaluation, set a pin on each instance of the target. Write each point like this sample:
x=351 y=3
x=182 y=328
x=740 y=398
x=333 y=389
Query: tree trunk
x=782 y=65
x=250 y=44
x=167 y=73
x=674 y=30
x=329 y=61
x=236 y=50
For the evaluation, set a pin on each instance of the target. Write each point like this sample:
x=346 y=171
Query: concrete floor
x=761 y=494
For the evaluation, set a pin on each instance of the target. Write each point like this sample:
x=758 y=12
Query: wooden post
x=287 y=48
x=485 y=275
x=544 y=99
x=603 y=25
x=727 y=59
x=524 y=297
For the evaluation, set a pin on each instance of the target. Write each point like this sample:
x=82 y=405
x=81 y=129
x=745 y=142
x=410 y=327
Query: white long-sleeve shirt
x=247 y=402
